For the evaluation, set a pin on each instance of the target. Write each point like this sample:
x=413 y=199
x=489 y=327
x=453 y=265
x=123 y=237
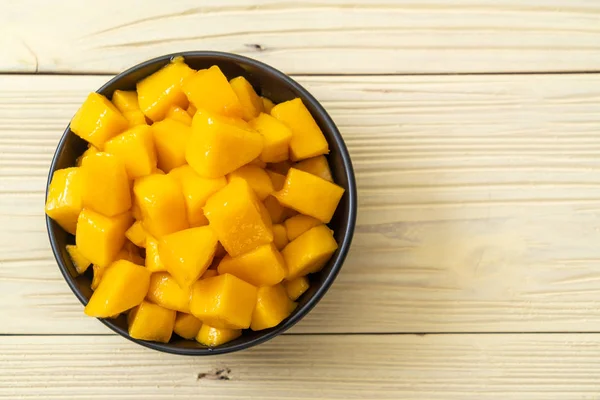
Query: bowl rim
x=343 y=248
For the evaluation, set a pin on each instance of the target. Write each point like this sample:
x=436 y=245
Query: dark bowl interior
x=267 y=82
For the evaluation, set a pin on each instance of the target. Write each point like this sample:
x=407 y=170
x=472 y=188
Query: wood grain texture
x=316 y=36
x=450 y=367
x=479 y=199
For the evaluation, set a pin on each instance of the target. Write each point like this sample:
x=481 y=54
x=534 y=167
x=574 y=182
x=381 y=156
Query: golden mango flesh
x=186 y=325
x=263 y=266
x=272 y=306
x=151 y=322
x=105 y=184
x=166 y=292
x=135 y=148
x=309 y=252
x=211 y=337
x=100 y=238
x=65 y=198
x=98 y=120
x=209 y=89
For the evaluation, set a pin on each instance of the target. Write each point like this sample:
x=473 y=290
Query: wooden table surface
x=474 y=129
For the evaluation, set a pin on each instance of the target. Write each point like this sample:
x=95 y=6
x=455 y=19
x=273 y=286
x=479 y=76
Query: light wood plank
x=478 y=204
x=316 y=36
x=543 y=367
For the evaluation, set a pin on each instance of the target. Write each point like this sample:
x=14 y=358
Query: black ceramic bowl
x=270 y=83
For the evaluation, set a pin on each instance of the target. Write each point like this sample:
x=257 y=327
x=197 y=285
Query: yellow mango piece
x=137 y=234
x=252 y=104
x=212 y=337
x=105 y=185
x=126 y=100
x=123 y=286
x=151 y=322
x=161 y=204
x=153 y=261
x=98 y=120
x=309 y=252
x=224 y=301
x=310 y=195
x=296 y=287
x=317 y=166
x=236 y=216
x=80 y=263
x=208 y=89
x=267 y=105
x=276 y=135
x=162 y=89
x=220 y=145
x=196 y=190
x=281 y=167
x=171 y=138
x=277 y=212
x=179 y=114
x=99 y=238
x=209 y=273
x=298 y=224
x=186 y=325
x=191 y=110
x=307 y=138
x=135 y=148
x=135 y=118
x=272 y=306
x=130 y=254
x=86 y=154
x=166 y=292
x=188 y=253
x=280 y=239
x=256 y=178
x=65 y=195
x=277 y=179
x=263 y=266
x=98 y=273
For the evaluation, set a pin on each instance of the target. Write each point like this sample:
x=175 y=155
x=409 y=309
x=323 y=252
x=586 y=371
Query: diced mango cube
x=105 y=185
x=277 y=179
x=99 y=238
x=212 y=337
x=276 y=135
x=277 y=212
x=252 y=104
x=310 y=195
x=166 y=292
x=65 y=195
x=177 y=113
x=272 y=306
x=307 y=138
x=280 y=239
x=188 y=253
x=98 y=120
x=86 y=154
x=171 y=138
x=317 y=166
x=298 y=224
x=296 y=287
x=256 y=178
x=123 y=286
x=135 y=148
x=126 y=100
x=151 y=322
x=208 y=89
x=153 y=261
x=80 y=263
x=263 y=266
x=129 y=252
x=236 y=216
x=137 y=234
x=162 y=89
x=161 y=203
x=220 y=145
x=135 y=118
x=267 y=105
x=309 y=252
x=196 y=190
x=186 y=325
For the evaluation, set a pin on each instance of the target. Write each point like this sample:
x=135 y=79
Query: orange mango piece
x=272 y=306
x=280 y=239
x=159 y=91
x=137 y=234
x=208 y=89
x=105 y=185
x=98 y=120
x=97 y=277
x=267 y=105
x=277 y=179
x=309 y=252
x=310 y=195
x=166 y=292
x=135 y=148
x=130 y=252
x=126 y=100
x=298 y=224
x=263 y=266
x=236 y=216
x=251 y=103
x=224 y=301
x=276 y=135
x=151 y=322
x=212 y=337
x=153 y=261
x=135 y=118
x=161 y=204
x=209 y=273
x=99 y=238
x=317 y=166
x=171 y=138
x=296 y=287
x=186 y=325
x=307 y=138
x=277 y=212
x=86 y=154
x=188 y=253
x=123 y=286
x=65 y=198
x=196 y=190
x=179 y=114
x=256 y=178
x=80 y=263
x=220 y=145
